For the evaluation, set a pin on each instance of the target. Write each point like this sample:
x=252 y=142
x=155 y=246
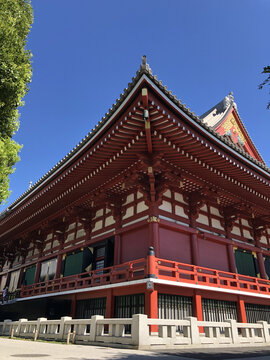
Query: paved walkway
x=20 y=349
x=24 y=349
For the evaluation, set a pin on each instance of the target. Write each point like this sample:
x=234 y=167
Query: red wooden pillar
x=151 y=295
x=117 y=249
x=231 y=258
x=151 y=303
x=198 y=311
x=152 y=270
x=20 y=278
x=73 y=307
x=38 y=266
x=241 y=310
x=194 y=249
x=109 y=304
x=58 y=266
x=261 y=265
x=151 y=306
x=154 y=234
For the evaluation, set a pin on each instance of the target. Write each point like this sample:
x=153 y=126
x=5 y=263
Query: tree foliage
x=16 y=18
x=266 y=70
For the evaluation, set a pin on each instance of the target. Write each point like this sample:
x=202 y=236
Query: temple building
x=156 y=211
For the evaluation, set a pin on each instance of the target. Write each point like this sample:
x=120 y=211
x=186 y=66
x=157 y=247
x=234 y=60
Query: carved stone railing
x=98 y=330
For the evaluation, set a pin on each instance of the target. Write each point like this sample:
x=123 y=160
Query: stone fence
x=140 y=332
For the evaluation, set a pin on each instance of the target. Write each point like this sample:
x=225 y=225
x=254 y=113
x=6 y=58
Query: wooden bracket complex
x=146 y=118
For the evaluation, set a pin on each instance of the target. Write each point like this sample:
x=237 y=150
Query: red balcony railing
x=159 y=269
x=132 y=270
x=185 y=273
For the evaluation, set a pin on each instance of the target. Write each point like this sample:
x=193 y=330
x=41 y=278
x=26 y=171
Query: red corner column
x=197 y=308
x=109 y=304
x=261 y=265
x=241 y=310
x=231 y=258
x=194 y=248
x=151 y=294
x=154 y=233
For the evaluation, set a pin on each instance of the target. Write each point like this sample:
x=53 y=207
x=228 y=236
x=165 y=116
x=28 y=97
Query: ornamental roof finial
x=228 y=100
x=144 y=65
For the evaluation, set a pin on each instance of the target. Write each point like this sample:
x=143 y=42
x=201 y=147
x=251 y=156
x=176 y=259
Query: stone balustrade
x=136 y=332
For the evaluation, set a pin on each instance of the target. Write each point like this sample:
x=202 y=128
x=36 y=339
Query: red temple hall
x=156 y=211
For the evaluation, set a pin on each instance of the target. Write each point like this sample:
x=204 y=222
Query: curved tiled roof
x=143 y=70
x=219 y=112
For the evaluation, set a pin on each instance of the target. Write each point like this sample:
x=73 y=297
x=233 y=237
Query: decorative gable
x=232 y=128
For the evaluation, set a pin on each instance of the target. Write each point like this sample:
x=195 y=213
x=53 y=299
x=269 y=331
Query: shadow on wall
x=34 y=309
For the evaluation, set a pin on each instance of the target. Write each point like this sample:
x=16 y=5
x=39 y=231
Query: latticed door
x=219 y=310
x=256 y=313
x=89 y=307
x=174 y=306
x=128 y=305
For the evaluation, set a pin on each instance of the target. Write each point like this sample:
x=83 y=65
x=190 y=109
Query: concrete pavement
x=27 y=349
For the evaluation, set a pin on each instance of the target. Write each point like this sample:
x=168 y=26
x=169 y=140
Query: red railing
x=185 y=273
x=159 y=269
x=132 y=270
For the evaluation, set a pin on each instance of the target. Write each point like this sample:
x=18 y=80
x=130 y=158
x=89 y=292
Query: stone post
x=93 y=326
x=18 y=332
x=194 y=330
x=39 y=321
x=265 y=330
x=140 y=331
x=62 y=326
x=234 y=331
x=6 y=322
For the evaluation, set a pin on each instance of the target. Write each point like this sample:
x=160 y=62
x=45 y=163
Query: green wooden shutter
x=267 y=265
x=29 y=276
x=73 y=264
x=245 y=263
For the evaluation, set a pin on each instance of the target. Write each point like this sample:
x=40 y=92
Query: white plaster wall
x=109 y=221
x=217 y=224
x=129 y=212
x=130 y=198
x=264 y=239
x=168 y=193
x=179 y=210
x=202 y=219
x=80 y=233
x=179 y=197
x=214 y=211
x=141 y=207
x=99 y=213
x=139 y=195
x=98 y=225
x=236 y=231
x=166 y=206
x=247 y=234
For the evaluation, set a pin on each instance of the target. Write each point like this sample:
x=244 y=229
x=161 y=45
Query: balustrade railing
x=98 y=330
x=185 y=273
x=132 y=270
x=154 y=268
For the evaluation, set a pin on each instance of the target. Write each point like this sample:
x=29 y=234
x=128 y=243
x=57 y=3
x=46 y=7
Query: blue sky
x=86 y=51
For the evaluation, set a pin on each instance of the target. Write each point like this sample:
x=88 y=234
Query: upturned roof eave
x=141 y=75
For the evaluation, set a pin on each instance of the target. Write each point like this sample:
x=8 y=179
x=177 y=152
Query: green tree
x=266 y=70
x=16 y=17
